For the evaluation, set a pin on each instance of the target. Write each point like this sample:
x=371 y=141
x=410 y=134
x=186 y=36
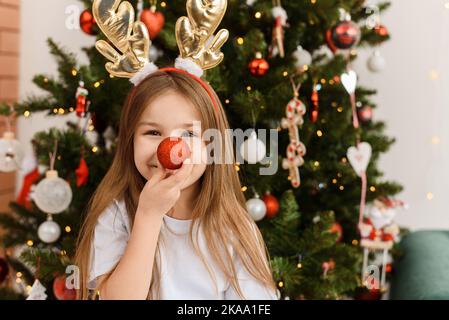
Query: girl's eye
x=152 y=133
x=189 y=133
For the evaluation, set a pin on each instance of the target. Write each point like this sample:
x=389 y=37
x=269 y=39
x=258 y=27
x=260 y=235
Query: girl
x=183 y=234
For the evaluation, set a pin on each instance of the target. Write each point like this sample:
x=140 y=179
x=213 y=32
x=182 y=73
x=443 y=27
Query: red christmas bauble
x=4 y=269
x=172 y=152
x=88 y=23
x=365 y=114
x=258 y=67
x=363 y=293
x=381 y=30
x=153 y=20
x=272 y=204
x=336 y=228
x=343 y=36
x=60 y=290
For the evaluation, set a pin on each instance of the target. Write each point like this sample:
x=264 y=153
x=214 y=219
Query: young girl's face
x=169 y=115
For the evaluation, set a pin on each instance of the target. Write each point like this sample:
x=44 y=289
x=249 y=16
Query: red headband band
x=198 y=79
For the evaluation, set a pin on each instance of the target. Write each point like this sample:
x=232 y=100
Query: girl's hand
x=162 y=190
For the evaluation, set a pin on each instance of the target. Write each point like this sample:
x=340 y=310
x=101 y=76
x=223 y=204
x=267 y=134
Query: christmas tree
x=291 y=53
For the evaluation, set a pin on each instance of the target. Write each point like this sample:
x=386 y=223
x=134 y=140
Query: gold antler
x=116 y=21
x=193 y=33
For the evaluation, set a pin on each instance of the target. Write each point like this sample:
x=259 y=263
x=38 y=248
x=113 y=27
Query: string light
x=334 y=181
x=71 y=109
x=285 y=73
x=341 y=188
x=97 y=84
x=281 y=284
x=237 y=168
x=319 y=133
x=240 y=40
x=244 y=188
x=316 y=163
x=55 y=110
x=163 y=4
x=372 y=188
x=257 y=15
x=30 y=243
x=248 y=88
x=299 y=265
x=68 y=229
x=339 y=109
x=94 y=149
x=26 y=114
x=61 y=111
x=227 y=101
x=74 y=72
x=355 y=242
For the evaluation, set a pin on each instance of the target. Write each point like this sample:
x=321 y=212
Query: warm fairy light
x=353 y=52
x=436 y=140
x=91 y=128
x=68 y=229
x=355 y=242
x=248 y=88
x=341 y=188
x=237 y=168
x=55 y=110
x=227 y=101
x=429 y=196
x=244 y=188
x=280 y=284
x=63 y=252
x=372 y=188
x=319 y=133
x=316 y=164
x=18 y=280
x=45 y=80
x=289 y=178
x=71 y=109
x=18 y=274
x=240 y=40
x=334 y=181
x=258 y=15
x=299 y=265
x=331 y=81
x=285 y=73
x=334 y=104
x=323 y=81
x=26 y=114
x=94 y=149
x=305 y=68
x=28 y=289
x=61 y=111
x=344 y=160
x=339 y=175
x=339 y=109
x=97 y=84
x=111 y=76
x=59 y=158
x=163 y=4
x=30 y=243
x=312 y=1
x=74 y=72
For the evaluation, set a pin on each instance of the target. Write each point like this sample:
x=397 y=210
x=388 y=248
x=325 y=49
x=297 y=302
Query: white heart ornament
x=359 y=157
x=349 y=81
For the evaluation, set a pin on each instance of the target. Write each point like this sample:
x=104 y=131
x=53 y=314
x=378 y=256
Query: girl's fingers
x=158 y=176
x=180 y=175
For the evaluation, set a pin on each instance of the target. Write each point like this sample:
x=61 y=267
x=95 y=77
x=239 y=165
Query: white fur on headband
x=148 y=69
x=189 y=66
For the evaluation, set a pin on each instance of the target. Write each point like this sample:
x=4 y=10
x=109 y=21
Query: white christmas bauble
x=49 y=231
x=256 y=208
x=324 y=54
x=303 y=58
x=52 y=194
x=253 y=150
x=11 y=153
x=376 y=62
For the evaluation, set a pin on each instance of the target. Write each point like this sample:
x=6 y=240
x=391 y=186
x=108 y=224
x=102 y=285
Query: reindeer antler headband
x=198 y=46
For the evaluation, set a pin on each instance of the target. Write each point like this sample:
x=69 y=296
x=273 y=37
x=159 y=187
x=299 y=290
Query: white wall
x=412 y=94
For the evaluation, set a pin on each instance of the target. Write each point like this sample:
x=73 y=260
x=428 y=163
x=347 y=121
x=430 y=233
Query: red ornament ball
x=258 y=67
x=172 y=152
x=153 y=20
x=60 y=290
x=336 y=228
x=272 y=204
x=365 y=114
x=4 y=269
x=88 y=23
x=381 y=30
x=343 y=36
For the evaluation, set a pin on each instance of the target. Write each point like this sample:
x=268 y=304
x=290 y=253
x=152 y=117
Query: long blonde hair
x=220 y=206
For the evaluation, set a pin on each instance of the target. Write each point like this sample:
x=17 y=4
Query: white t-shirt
x=183 y=274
